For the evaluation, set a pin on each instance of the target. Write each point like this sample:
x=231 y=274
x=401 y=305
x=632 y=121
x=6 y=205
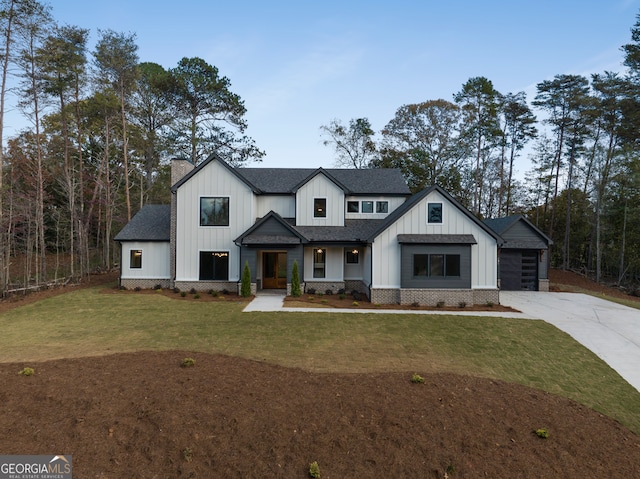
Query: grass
x=88 y=323
x=576 y=289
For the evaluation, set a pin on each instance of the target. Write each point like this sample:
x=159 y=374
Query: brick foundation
x=543 y=285
x=433 y=297
x=323 y=286
x=130 y=283
x=230 y=286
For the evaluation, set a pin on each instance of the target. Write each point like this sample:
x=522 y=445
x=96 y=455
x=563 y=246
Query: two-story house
x=347 y=230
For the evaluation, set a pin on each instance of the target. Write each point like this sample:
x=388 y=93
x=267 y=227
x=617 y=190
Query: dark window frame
x=319 y=207
x=351 y=255
x=135 y=259
x=319 y=267
x=219 y=211
x=213 y=266
x=366 y=206
x=434 y=213
x=382 y=205
x=350 y=205
x=436 y=265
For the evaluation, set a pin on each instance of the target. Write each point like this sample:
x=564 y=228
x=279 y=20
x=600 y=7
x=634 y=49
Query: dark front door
x=274 y=270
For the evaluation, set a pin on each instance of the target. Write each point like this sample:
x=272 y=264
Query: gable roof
x=151 y=223
x=376 y=181
x=415 y=199
x=254 y=236
x=504 y=224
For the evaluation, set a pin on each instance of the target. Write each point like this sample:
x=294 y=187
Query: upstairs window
x=135 y=259
x=434 y=213
x=214 y=211
x=367 y=206
x=319 y=207
x=382 y=206
x=353 y=207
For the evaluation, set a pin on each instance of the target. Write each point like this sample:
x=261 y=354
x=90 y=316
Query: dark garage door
x=519 y=270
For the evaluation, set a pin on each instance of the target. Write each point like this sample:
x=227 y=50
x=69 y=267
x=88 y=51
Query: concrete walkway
x=610 y=330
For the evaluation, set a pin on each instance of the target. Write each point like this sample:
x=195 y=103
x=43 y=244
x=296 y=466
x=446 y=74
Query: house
x=524 y=256
x=347 y=230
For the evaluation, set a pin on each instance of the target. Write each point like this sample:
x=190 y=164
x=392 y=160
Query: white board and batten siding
x=387 y=250
x=214 y=180
x=334 y=264
x=284 y=205
x=320 y=187
x=155 y=264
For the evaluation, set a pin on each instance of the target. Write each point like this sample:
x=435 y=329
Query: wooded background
x=103 y=126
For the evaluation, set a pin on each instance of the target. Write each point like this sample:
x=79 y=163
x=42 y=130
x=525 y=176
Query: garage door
x=518 y=270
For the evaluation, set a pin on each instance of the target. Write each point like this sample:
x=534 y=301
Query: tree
x=480 y=103
x=295 y=280
x=353 y=145
x=116 y=59
x=423 y=140
x=210 y=118
x=245 y=288
x=565 y=99
x=518 y=129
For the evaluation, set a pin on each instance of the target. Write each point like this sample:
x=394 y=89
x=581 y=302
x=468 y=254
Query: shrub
x=462 y=305
x=183 y=293
x=542 y=433
x=225 y=291
x=193 y=291
x=137 y=288
x=341 y=291
x=311 y=291
x=196 y=296
x=188 y=362
x=296 y=291
x=328 y=292
x=187 y=453
x=342 y=296
x=415 y=304
x=320 y=293
x=417 y=379
x=213 y=293
x=440 y=304
x=176 y=290
x=245 y=287
x=157 y=287
x=355 y=303
x=314 y=469
x=490 y=304
x=27 y=372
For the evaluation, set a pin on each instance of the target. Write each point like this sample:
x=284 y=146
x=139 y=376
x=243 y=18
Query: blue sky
x=299 y=64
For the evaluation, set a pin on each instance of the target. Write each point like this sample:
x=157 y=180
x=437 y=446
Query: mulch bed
x=142 y=415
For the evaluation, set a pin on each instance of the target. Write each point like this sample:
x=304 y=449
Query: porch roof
x=437 y=239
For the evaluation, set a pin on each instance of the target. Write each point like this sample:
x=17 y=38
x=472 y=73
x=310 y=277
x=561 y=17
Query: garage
x=524 y=256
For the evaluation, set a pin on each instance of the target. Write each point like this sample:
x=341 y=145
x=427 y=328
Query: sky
x=298 y=65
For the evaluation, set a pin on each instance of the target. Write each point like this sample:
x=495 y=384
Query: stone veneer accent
x=431 y=297
x=133 y=283
x=543 y=285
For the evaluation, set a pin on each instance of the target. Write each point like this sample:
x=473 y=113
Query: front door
x=274 y=270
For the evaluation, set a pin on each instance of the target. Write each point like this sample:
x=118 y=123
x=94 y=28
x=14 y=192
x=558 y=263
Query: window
x=434 y=213
x=351 y=257
x=320 y=208
x=367 y=206
x=382 y=206
x=214 y=211
x=436 y=265
x=214 y=266
x=135 y=261
x=353 y=207
x=318 y=263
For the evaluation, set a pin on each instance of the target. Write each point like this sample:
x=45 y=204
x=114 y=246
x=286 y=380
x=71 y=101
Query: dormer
x=320 y=200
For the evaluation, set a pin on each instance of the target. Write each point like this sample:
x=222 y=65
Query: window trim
x=228 y=199
x=135 y=253
x=352 y=254
x=353 y=202
x=317 y=210
x=443 y=267
x=218 y=252
x=318 y=269
x=362 y=203
x=380 y=203
x=429 y=215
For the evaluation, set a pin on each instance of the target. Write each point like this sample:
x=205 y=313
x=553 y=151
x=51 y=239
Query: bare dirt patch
x=142 y=415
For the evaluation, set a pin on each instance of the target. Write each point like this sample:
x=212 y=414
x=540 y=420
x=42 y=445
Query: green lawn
x=89 y=322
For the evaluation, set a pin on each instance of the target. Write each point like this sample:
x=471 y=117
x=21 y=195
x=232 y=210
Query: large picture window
x=214 y=266
x=319 y=256
x=436 y=265
x=320 y=208
x=135 y=259
x=214 y=211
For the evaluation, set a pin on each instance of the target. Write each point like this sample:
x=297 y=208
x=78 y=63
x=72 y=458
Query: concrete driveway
x=610 y=330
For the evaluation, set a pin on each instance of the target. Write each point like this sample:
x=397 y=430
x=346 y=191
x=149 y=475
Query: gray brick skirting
x=230 y=286
x=433 y=297
x=543 y=285
x=144 y=283
x=323 y=286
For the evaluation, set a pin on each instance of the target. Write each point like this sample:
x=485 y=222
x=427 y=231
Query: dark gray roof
x=352 y=231
x=504 y=224
x=151 y=223
x=379 y=181
x=437 y=239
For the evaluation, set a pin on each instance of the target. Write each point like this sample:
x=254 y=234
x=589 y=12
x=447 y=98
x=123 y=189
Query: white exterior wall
x=386 y=249
x=320 y=187
x=334 y=262
x=285 y=206
x=354 y=271
x=394 y=202
x=191 y=238
x=155 y=260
